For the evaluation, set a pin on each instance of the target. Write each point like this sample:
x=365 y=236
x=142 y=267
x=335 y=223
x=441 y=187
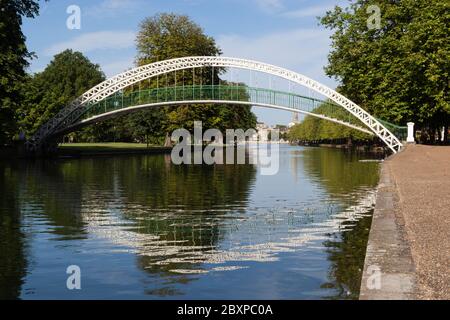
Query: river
x=139 y=227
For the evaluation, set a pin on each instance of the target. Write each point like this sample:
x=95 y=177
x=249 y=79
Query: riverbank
x=93 y=149
x=372 y=148
x=360 y=148
x=87 y=149
x=409 y=239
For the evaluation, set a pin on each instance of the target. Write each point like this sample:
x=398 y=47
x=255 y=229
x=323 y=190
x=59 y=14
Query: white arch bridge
x=113 y=97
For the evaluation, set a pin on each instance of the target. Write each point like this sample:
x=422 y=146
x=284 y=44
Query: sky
x=285 y=33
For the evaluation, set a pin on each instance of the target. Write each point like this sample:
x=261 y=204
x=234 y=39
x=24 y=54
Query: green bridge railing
x=401 y=132
x=194 y=93
x=239 y=93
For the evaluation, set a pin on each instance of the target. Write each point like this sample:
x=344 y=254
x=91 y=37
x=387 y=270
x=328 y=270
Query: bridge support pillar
x=410 y=138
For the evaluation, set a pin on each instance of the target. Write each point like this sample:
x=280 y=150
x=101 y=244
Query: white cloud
x=301 y=50
x=270 y=5
x=116 y=67
x=117 y=4
x=112 y=7
x=309 y=11
x=95 y=41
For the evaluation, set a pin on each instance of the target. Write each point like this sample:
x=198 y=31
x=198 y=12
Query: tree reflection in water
x=340 y=173
x=13 y=241
x=184 y=221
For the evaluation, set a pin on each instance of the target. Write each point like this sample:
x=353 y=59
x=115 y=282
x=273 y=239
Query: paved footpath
x=410 y=235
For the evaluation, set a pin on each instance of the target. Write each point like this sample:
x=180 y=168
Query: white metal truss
x=68 y=115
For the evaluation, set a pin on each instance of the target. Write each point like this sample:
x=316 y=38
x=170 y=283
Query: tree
x=147 y=126
x=399 y=72
x=167 y=36
x=315 y=129
x=13 y=61
x=68 y=76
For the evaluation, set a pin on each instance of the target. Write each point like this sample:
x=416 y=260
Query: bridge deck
x=238 y=94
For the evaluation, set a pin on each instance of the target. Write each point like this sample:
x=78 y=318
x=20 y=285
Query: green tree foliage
x=147 y=126
x=161 y=37
x=399 y=72
x=316 y=129
x=342 y=174
x=68 y=76
x=13 y=61
x=167 y=36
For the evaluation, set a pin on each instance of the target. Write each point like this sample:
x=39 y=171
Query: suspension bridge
x=118 y=95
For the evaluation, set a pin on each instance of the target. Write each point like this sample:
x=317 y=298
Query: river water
x=139 y=227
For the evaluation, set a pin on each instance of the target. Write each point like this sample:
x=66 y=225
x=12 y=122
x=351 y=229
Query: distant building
x=281 y=128
x=262 y=133
x=294 y=120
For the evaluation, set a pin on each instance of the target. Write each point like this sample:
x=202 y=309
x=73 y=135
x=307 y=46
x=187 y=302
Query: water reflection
x=346 y=250
x=188 y=225
x=13 y=242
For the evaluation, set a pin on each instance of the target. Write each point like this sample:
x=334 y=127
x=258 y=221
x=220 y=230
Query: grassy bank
x=79 y=149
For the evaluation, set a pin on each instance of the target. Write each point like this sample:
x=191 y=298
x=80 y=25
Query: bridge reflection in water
x=196 y=231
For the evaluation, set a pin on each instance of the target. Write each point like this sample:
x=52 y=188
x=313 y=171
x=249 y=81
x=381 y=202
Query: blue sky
x=281 y=32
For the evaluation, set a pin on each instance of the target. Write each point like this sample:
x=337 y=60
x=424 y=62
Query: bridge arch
x=68 y=116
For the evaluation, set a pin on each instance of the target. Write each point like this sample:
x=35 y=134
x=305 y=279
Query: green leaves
x=68 y=76
x=13 y=61
x=27 y=102
x=400 y=72
x=316 y=129
x=167 y=36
